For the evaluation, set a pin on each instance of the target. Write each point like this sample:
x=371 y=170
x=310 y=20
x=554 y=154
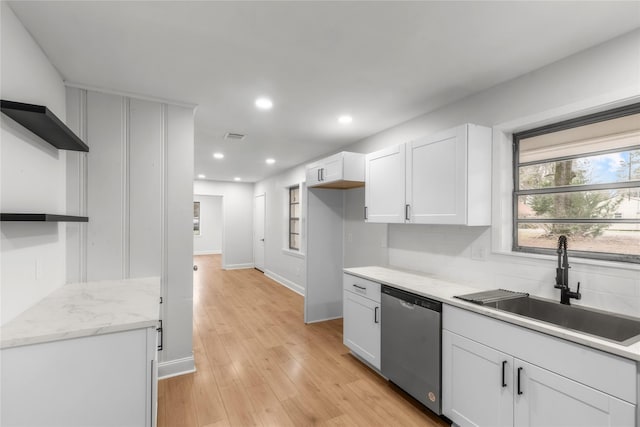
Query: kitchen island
x=84 y=355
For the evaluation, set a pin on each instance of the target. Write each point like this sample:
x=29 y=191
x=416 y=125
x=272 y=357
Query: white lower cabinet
x=102 y=380
x=361 y=313
x=552 y=400
x=495 y=374
x=473 y=391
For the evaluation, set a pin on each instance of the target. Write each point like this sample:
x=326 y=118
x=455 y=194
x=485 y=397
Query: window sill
x=573 y=260
x=292 y=253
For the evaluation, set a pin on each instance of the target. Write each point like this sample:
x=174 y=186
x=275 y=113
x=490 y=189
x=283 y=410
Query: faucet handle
x=575 y=294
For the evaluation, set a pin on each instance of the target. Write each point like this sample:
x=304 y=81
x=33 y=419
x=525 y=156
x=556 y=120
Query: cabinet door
x=436 y=178
x=384 y=188
x=101 y=381
x=477 y=383
x=362 y=327
x=313 y=175
x=332 y=169
x=548 y=399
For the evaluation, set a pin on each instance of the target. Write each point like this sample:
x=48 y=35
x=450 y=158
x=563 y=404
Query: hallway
x=259 y=364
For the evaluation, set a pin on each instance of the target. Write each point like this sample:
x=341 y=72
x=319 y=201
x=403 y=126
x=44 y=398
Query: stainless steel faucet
x=562 y=274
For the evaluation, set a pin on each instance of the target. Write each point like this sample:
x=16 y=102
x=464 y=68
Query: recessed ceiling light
x=237 y=178
x=270 y=161
x=264 y=103
x=202 y=176
x=218 y=155
x=345 y=119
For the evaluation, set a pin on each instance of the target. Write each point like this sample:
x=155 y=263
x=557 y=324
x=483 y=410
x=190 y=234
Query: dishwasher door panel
x=411 y=337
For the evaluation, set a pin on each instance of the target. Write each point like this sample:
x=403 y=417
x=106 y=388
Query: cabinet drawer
x=361 y=286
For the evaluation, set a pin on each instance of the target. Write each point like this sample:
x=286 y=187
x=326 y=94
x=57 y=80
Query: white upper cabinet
x=446 y=179
x=384 y=189
x=342 y=170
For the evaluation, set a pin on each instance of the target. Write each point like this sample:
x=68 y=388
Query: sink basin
x=620 y=329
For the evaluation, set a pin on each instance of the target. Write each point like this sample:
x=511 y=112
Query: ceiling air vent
x=236 y=136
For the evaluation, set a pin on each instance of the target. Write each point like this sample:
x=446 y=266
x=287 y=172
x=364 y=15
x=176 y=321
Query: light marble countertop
x=444 y=291
x=85 y=309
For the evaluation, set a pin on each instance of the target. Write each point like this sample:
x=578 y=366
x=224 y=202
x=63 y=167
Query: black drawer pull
x=375 y=314
x=360 y=287
x=504 y=364
x=519 y=389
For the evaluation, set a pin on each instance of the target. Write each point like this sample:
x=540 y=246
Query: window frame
x=557 y=127
x=290 y=218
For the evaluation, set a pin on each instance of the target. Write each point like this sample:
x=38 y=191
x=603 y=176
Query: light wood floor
x=259 y=364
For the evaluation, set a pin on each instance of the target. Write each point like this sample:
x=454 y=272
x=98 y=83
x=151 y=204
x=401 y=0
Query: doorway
x=207 y=225
x=258 y=231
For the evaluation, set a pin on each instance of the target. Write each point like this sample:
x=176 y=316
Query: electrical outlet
x=478 y=253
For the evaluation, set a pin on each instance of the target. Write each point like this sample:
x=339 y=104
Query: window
x=196 y=218
x=294 y=218
x=580 y=178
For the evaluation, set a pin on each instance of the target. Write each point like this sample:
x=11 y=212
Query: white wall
x=135 y=187
x=598 y=78
x=364 y=244
x=209 y=241
x=237 y=232
x=32 y=174
x=281 y=264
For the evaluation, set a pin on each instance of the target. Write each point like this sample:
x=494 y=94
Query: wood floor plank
x=259 y=364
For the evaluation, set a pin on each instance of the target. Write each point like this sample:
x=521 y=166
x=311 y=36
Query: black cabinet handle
x=519 y=389
x=160 y=330
x=406 y=212
x=360 y=287
x=504 y=364
x=375 y=315
x=319 y=175
x=322 y=174
x=366 y=213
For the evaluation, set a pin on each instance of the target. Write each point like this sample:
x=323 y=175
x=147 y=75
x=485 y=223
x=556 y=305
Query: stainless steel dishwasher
x=410 y=344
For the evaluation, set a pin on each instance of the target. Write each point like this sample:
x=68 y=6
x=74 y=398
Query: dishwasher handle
x=407 y=305
x=412 y=299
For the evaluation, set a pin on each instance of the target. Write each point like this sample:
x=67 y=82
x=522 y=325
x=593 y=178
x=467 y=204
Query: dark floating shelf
x=41 y=121
x=40 y=217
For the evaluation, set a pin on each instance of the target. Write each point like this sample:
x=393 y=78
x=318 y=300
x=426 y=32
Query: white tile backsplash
x=447 y=253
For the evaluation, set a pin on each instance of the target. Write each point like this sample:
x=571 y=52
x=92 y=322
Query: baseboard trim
x=285 y=282
x=173 y=368
x=218 y=252
x=237 y=266
x=324 y=320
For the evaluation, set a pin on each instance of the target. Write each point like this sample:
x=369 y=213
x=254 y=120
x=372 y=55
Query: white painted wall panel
x=139 y=200
x=323 y=294
x=177 y=281
x=76 y=189
x=106 y=139
x=145 y=189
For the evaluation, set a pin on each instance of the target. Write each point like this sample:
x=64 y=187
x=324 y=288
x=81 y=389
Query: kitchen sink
x=624 y=330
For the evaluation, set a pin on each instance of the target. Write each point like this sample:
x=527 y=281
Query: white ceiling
x=381 y=62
